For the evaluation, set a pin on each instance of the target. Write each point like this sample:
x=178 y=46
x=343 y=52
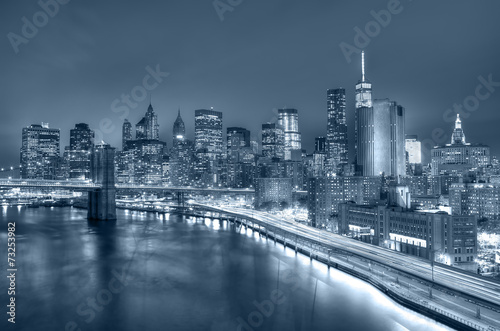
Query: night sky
x=264 y=55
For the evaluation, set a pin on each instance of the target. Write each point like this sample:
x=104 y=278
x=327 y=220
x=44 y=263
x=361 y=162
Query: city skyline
x=321 y=66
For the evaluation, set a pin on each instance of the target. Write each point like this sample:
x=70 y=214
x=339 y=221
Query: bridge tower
x=101 y=202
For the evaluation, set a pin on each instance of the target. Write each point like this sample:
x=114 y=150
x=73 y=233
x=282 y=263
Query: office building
x=337 y=145
x=289 y=120
x=381 y=139
x=126 y=133
x=458 y=156
x=413 y=148
x=81 y=144
x=148 y=127
x=363 y=100
x=40 y=157
x=209 y=148
x=273 y=140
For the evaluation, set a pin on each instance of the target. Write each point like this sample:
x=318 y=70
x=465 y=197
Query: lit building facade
x=449 y=239
x=126 y=133
x=459 y=156
x=479 y=199
x=209 y=148
x=273 y=140
x=414 y=149
x=363 y=100
x=40 y=158
x=337 y=142
x=273 y=192
x=289 y=119
x=81 y=144
x=325 y=194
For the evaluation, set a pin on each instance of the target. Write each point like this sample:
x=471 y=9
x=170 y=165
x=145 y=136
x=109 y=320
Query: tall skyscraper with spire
x=459 y=156
x=336 y=138
x=363 y=101
x=458 y=136
x=148 y=127
x=179 y=129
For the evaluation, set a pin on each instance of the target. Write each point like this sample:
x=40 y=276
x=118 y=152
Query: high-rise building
x=126 y=133
x=209 y=147
x=413 y=148
x=363 y=99
x=459 y=156
x=40 y=157
x=181 y=155
x=381 y=139
x=289 y=119
x=148 y=127
x=179 y=129
x=208 y=131
x=80 y=147
x=337 y=143
x=273 y=140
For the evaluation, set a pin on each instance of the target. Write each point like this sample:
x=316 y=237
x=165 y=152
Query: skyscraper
x=337 y=143
x=381 y=139
x=40 y=152
x=413 y=148
x=459 y=156
x=273 y=140
x=208 y=131
x=179 y=129
x=363 y=99
x=148 y=127
x=181 y=156
x=80 y=146
x=126 y=133
x=289 y=120
x=209 y=147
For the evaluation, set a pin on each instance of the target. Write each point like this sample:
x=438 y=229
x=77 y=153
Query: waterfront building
x=80 y=147
x=273 y=192
x=439 y=236
x=40 y=155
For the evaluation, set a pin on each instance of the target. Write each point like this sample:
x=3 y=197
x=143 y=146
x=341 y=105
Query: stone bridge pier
x=101 y=201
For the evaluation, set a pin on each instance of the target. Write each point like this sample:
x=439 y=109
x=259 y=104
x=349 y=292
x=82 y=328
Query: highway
x=454 y=279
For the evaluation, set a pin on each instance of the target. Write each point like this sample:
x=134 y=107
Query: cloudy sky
x=245 y=60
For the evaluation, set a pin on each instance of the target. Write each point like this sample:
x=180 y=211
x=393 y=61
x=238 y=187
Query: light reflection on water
x=184 y=274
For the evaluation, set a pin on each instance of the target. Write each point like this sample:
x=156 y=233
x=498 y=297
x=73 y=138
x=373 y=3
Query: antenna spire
x=363 y=65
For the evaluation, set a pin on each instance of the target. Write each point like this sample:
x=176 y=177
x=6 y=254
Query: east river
x=147 y=271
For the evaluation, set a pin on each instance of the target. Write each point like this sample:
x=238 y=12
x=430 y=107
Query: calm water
x=148 y=272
